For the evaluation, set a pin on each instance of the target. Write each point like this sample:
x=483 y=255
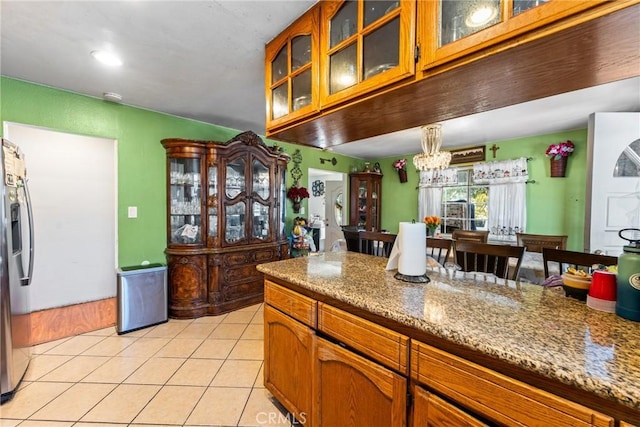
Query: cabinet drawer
x=495 y=396
x=430 y=410
x=292 y=303
x=381 y=344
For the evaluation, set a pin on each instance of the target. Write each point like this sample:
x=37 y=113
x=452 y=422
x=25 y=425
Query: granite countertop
x=533 y=327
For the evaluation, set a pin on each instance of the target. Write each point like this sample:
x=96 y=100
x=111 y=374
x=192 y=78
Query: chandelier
x=431 y=156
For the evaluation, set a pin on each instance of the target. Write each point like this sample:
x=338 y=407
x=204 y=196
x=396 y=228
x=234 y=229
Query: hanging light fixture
x=431 y=156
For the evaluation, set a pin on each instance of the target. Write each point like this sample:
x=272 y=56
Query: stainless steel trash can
x=142 y=297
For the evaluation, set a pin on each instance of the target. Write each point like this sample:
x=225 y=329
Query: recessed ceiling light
x=112 y=97
x=107 y=58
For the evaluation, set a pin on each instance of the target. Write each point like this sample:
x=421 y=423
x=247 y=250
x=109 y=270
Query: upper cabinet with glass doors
x=291 y=70
x=364 y=45
x=451 y=29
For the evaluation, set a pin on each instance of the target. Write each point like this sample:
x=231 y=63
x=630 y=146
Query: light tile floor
x=200 y=372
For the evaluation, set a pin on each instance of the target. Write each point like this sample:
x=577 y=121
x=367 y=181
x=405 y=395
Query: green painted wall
x=141 y=166
x=311 y=159
x=141 y=158
x=554 y=205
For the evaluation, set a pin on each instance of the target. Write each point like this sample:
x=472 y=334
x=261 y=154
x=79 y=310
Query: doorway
x=73 y=185
x=328 y=204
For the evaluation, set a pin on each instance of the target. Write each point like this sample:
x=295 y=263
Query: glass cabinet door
x=364 y=39
x=461 y=18
x=235 y=178
x=235 y=201
x=520 y=6
x=261 y=208
x=296 y=73
x=282 y=214
x=375 y=205
x=291 y=71
x=235 y=219
x=212 y=201
x=363 y=205
x=185 y=205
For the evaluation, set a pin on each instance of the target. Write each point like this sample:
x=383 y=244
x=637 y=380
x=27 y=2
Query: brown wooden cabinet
x=225 y=215
x=365 y=200
x=448 y=30
x=332 y=367
x=437 y=46
x=292 y=71
x=364 y=45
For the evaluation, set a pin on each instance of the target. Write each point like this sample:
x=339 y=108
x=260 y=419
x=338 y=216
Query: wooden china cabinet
x=225 y=215
x=365 y=204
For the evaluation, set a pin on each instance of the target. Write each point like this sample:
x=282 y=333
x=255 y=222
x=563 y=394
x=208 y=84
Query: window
x=465 y=205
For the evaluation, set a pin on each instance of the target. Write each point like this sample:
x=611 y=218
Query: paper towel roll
x=413 y=249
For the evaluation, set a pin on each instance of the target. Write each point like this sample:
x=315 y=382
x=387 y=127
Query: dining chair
x=471 y=235
x=535 y=242
x=439 y=249
x=573 y=259
x=487 y=258
x=376 y=243
x=351 y=237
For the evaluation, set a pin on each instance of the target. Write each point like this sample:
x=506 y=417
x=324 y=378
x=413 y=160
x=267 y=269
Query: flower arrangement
x=557 y=151
x=432 y=223
x=296 y=193
x=400 y=164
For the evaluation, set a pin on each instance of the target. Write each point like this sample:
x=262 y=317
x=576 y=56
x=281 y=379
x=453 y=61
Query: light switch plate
x=132 y=212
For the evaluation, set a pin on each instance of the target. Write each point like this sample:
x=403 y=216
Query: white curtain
x=430 y=190
x=507 y=194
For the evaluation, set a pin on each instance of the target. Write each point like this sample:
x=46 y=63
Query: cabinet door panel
x=288 y=362
x=351 y=391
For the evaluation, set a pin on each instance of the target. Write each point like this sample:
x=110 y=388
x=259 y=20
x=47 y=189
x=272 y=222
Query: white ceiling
x=204 y=60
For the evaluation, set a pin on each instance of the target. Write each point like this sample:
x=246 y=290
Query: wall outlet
x=132 y=212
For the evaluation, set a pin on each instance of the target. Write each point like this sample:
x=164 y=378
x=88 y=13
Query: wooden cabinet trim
x=381 y=344
x=298 y=306
x=497 y=396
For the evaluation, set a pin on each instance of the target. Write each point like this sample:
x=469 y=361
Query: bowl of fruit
x=576 y=283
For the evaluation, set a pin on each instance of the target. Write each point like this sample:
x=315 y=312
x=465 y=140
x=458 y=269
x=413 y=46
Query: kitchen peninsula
x=466 y=348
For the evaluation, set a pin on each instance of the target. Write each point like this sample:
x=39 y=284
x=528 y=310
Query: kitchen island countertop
x=532 y=327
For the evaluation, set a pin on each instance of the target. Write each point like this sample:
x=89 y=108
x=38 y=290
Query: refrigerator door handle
x=24 y=281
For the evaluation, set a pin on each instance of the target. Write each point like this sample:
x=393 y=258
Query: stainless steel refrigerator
x=16 y=268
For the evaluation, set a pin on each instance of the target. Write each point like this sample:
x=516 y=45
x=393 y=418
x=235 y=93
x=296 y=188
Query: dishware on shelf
x=377 y=69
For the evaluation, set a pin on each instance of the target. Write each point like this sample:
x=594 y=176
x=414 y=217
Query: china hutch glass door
x=261 y=194
x=185 y=205
x=212 y=202
x=235 y=204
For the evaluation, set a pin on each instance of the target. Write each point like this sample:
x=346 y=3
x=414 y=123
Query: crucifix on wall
x=494 y=148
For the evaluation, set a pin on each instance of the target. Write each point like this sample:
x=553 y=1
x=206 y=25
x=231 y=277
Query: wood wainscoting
x=61 y=322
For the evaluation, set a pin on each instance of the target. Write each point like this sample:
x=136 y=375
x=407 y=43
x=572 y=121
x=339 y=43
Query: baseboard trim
x=61 y=322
